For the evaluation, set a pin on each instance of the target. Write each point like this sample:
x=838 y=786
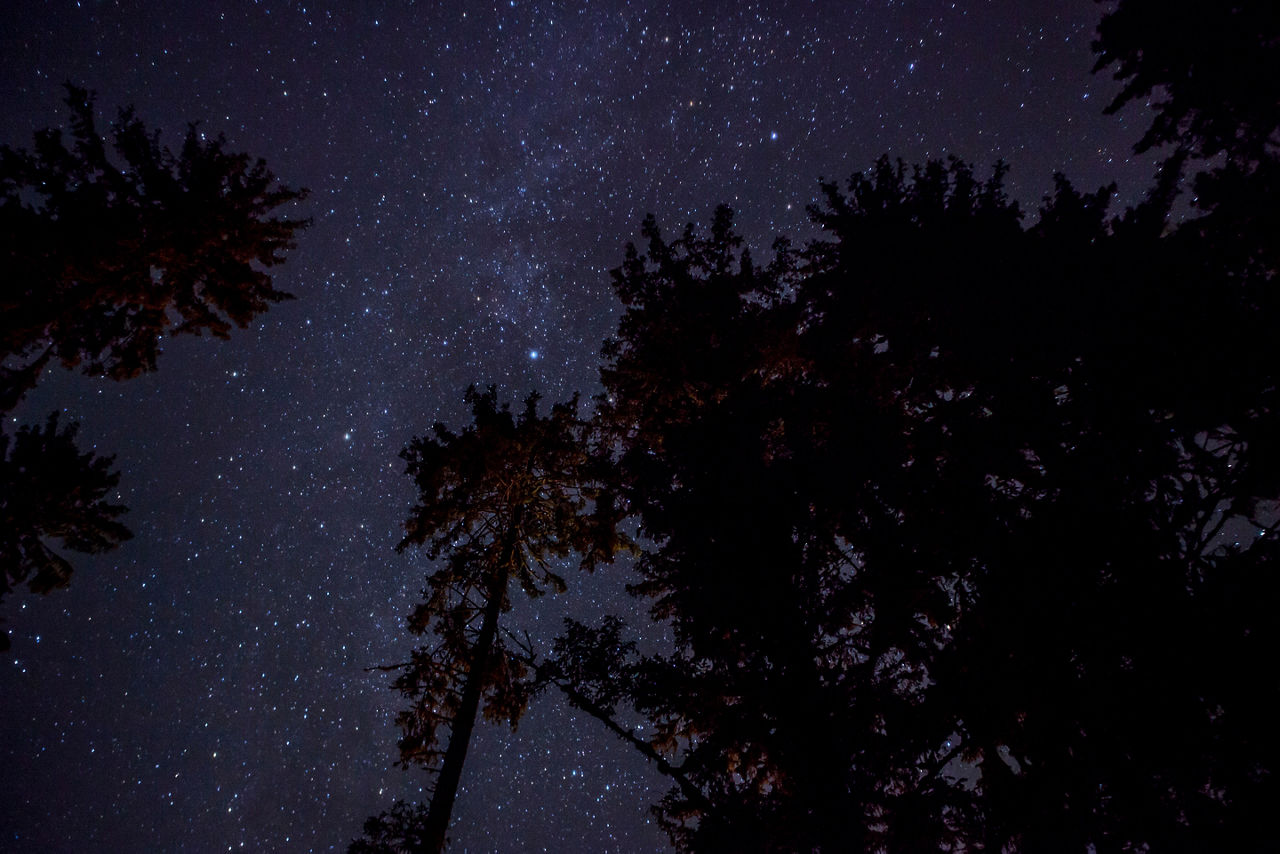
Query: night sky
x=475 y=171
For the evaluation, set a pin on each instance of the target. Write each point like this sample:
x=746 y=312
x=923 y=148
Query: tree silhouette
x=49 y=490
x=930 y=508
x=108 y=245
x=1213 y=70
x=400 y=830
x=508 y=500
x=106 y=255
x=728 y=387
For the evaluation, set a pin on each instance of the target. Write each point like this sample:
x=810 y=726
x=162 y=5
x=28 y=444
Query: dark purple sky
x=476 y=169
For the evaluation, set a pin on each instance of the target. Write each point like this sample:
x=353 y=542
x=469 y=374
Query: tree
x=401 y=830
x=103 y=256
x=929 y=527
x=727 y=389
x=1213 y=68
x=1211 y=73
x=507 y=500
x=49 y=490
x=106 y=255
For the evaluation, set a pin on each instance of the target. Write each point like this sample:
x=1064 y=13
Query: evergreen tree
x=105 y=254
x=108 y=245
x=505 y=502
x=929 y=506
x=49 y=490
x=1211 y=70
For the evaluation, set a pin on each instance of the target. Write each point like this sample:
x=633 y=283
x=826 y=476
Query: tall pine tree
x=502 y=504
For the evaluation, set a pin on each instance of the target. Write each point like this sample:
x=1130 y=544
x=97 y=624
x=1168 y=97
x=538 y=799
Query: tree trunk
x=446 y=788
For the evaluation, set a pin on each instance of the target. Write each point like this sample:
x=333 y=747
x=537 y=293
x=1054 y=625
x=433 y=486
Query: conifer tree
x=503 y=504
x=51 y=491
x=109 y=244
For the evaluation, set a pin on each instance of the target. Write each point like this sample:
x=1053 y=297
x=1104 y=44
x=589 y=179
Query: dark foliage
x=1212 y=70
x=956 y=523
x=108 y=245
x=402 y=830
x=966 y=529
x=50 y=491
x=105 y=254
x=508 y=500
x=1211 y=73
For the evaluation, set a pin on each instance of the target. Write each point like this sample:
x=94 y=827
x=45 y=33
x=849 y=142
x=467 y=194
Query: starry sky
x=476 y=168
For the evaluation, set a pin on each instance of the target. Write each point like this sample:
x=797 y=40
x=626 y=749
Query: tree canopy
x=960 y=525
x=109 y=244
x=937 y=510
x=506 y=501
x=50 y=490
x=1211 y=69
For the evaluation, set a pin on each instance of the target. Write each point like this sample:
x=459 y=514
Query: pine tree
x=505 y=502
x=110 y=244
x=49 y=490
x=927 y=523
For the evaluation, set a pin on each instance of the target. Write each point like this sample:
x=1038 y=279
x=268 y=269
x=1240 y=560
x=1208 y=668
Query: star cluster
x=475 y=171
